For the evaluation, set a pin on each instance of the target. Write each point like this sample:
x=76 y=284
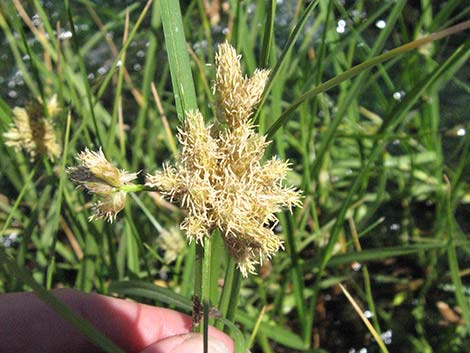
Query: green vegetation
x=367 y=100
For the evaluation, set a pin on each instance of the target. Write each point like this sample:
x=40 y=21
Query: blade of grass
x=111 y=136
x=98 y=131
x=178 y=57
x=366 y=276
x=268 y=34
x=281 y=120
x=26 y=186
x=369 y=326
x=226 y=290
x=452 y=259
x=58 y=205
x=148 y=75
x=285 y=54
x=115 y=64
x=396 y=116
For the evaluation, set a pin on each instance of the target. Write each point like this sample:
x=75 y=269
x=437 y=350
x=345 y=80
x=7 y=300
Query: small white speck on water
x=36 y=20
x=387 y=336
x=102 y=70
x=380 y=24
x=65 y=35
x=356 y=266
x=398 y=95
x=341 y=27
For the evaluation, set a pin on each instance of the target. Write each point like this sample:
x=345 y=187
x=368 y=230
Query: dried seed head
x=95 y=174
x=219 y=177
x=33 y=133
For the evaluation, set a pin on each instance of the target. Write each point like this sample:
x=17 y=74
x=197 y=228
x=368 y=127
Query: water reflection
x=341 y=27
x=381 y=24
x=9 y=240
x=65 y=35
x=398 y=95
x=387 y=337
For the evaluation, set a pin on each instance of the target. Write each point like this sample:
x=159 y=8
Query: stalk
x=202 y=280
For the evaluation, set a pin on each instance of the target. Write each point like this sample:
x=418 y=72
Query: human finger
x=27 y=323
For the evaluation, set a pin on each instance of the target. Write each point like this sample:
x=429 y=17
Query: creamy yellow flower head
x=171 y=242
x=220 y=178
x=95 y=174
x=32 y=132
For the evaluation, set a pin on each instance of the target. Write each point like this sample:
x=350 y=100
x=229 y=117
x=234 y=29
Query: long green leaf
x=178 y=57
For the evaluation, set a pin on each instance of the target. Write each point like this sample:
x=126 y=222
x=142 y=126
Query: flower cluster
x=95 y=174
x=33 y=132
x=219 y=177
x=172 y=243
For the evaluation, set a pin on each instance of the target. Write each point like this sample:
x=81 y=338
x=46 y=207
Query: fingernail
x=216 y=346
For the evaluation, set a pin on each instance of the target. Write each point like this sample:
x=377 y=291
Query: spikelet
x=95 y=174
x=171 y=242
x=237 y=95
x=32 y=132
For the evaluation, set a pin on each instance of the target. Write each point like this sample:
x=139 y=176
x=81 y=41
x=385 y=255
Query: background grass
x=380 y=150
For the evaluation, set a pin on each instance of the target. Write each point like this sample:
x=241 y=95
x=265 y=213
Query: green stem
x=234 y=295
x=202 y=280
x=136 y=188
x=197 y=282
x=226 y=291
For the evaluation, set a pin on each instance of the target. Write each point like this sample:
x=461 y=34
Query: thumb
x=186 y=343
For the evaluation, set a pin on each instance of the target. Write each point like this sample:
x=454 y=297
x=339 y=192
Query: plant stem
x=135 y=188
x=234 y=295
x=202 y=280
x=197 y=285
x=226 y=291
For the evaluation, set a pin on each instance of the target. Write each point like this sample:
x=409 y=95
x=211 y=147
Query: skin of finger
x=186 y=343
x=27 y=323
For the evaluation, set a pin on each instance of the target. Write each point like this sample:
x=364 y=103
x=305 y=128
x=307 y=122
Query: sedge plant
x=365 y=100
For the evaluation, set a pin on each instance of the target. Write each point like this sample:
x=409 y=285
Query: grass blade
x=178 y=57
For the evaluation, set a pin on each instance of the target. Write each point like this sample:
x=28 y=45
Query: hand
x=28 y=325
